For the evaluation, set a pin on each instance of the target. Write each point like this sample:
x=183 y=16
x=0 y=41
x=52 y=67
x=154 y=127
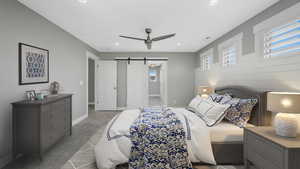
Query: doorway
x=157 y=80
x=91 y=88
x=91 y=83
x=146 y=84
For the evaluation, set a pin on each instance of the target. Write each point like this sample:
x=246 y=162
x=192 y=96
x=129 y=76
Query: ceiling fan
x=149 y=41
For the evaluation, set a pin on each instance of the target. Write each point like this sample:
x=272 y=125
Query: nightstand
x=263 y=149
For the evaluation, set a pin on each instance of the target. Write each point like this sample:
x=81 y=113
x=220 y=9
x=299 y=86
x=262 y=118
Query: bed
x=259 y=117
x=221 y=144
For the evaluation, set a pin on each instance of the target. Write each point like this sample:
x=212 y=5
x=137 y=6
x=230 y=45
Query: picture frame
x=30 y=95
x=33 y=65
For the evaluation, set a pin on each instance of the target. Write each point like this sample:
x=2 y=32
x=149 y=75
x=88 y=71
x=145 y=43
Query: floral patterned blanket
x=158 y=141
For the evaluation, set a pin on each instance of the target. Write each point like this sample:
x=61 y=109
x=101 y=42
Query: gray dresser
x=263 y=149
x=38 y=125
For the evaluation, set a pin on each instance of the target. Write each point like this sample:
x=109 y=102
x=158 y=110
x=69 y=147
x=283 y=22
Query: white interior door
x=137 y=85
x=106 y=85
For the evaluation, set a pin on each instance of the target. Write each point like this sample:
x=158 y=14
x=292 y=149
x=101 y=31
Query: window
x=206 y=59
x=153 y=75
x=283 y=40
x=229 y=56
x=230 y=50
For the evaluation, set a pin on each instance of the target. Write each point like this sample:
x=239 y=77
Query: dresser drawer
x=259 y=162
x=264 y=153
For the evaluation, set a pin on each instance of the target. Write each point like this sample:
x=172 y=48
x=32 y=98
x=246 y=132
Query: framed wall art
x=33 y=65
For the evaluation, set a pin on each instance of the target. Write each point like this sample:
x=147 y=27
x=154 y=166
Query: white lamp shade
x=283 y=102
x=205 y=90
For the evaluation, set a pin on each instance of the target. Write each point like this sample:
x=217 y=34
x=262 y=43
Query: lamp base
x=286 y=125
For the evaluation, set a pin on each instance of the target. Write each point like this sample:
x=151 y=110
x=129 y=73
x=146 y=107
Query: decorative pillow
x=195 y=101
x=210 y=112
x=239 y=112
x=222 y=99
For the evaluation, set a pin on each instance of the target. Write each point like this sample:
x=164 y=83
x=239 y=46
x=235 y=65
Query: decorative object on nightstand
x=205 y=91
x=285 y=105
x=54 y=88
x=263 y=149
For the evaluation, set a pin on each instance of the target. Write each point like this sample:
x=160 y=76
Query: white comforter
x=114 y=146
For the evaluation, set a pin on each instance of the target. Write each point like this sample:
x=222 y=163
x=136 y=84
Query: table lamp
x=205 y=91
x=285 y=105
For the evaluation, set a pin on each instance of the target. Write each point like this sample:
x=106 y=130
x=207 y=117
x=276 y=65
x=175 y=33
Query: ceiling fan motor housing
x=148 y=30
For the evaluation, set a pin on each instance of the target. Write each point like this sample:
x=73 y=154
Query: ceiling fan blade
x=128 y=37
x=163 y=37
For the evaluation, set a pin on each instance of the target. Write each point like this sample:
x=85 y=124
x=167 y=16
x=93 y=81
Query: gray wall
x=154 y=86
x=247 y=29
x=91 y=81
x=67 y=63
x=253 y=70
x=180 y=75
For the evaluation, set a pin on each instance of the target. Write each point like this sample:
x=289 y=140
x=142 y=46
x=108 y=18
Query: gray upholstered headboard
x=259 y=116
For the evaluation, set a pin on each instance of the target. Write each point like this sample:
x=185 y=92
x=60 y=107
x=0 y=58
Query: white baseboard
x=154 y=95
x=79 y=119
x=121 y=108
x=5 y=160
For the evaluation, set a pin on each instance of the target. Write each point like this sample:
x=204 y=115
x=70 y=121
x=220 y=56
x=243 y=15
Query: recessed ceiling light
x=178 y=44
x=213 y=2
x=207 y=38
x=82 y=1
x=117 y=43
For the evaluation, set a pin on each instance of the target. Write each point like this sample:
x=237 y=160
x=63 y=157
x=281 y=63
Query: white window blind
x=283 y=40
x=206 y=61
x=229 y=55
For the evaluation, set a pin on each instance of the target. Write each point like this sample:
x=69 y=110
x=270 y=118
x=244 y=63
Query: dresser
x=39 y=125
x=263 y=149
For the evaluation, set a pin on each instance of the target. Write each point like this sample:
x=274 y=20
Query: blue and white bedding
x=115 y=145
x=158 y=141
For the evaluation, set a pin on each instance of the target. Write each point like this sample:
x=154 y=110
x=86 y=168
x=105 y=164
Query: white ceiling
x=99 y=22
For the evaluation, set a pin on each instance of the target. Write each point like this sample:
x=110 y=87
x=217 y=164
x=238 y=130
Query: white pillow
x=194 y=103
x=210 y=112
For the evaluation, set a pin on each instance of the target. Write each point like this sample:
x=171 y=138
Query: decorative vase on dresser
x=39 y=125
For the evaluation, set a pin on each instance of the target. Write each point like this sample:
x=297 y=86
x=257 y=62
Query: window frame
x=277 y=20
x=234 y=42
x=266 y=37
x=210 y=56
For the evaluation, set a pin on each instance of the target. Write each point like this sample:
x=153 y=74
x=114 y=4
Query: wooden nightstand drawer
x=259 y=162
x=264 y=150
